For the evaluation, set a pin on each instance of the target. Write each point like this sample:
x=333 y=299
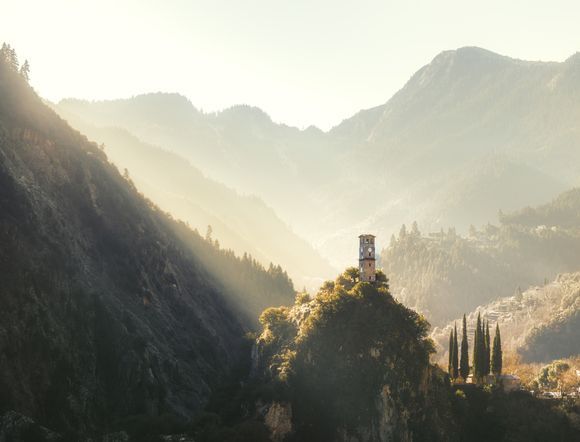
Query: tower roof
x=366 y=234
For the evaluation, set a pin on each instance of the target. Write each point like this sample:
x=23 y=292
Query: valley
x=170 y=274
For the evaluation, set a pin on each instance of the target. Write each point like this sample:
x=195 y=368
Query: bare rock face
x=278 y=419
x=389 y=424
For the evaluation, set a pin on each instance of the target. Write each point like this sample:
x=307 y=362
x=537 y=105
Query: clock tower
x=366 y=258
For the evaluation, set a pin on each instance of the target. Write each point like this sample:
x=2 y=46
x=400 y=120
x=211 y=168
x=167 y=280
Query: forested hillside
x=562 y=212
x=110 y=308
x=239 y=146
x=241 y=223
x=445 y=274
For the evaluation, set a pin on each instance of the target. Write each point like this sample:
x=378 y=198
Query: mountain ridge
x=111 y=308
x=401 y=161
x=243 y=223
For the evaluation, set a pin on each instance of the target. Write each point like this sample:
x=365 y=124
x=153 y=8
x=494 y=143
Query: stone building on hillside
x=366 y=260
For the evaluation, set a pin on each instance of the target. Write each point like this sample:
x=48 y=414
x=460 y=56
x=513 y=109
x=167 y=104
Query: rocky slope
x=541 y=323
x=109 y=307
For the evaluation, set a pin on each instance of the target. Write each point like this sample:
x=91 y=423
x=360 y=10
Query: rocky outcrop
x=350 y=366
x=278 y=419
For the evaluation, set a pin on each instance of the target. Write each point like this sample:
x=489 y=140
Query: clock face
x=370 y=249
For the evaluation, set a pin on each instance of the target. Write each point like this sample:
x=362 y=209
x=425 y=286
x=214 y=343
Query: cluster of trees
x=9 y=57
x=330 y=365
x=443 y=274
x=559 y=375
x=484 y=415
x=333 y=361
x=247 y=284
x=486 y=358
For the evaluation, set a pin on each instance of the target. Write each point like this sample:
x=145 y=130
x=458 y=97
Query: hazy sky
x=302 y=61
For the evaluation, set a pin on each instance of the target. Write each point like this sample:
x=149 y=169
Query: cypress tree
x=496 y=356
x=477 y=369
x=450 y=364
x=487 y=366
x=455 y=353
x=464 y=361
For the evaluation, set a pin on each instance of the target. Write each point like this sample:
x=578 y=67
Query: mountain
x=428 y=147
x=241 y=223
x=110 y=308
x=541 y=323
x=240 y=146
x=445 y=274
x=470 y=133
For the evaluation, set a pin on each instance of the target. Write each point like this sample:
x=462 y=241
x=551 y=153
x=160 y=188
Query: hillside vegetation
x=445 y=274
x=540 y=324
x=353 y=364
x=241 y=223
x=110 y=308
x=350 y=364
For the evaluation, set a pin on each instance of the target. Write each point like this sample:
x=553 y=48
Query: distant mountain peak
x=246 y=111
x=467 y=54
x=470 y=51
x=467 y=59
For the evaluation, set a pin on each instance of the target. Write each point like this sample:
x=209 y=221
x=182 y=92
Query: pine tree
x=450 y=364
x=13 y=59
x=8 y=55
x=455 y=353
x=25 y=70
x=487 y=365
x=496 y=356
x=403 y=232
x=4 y=53
x=415 y=229
x=464 y=361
